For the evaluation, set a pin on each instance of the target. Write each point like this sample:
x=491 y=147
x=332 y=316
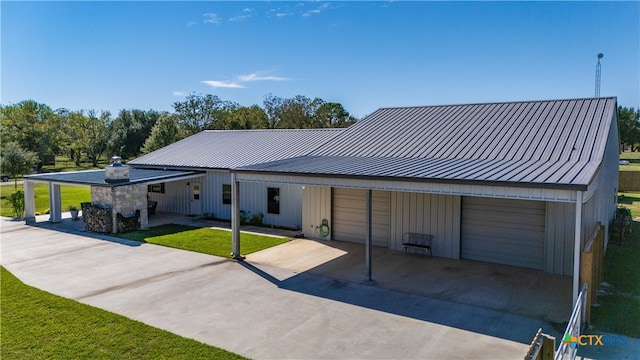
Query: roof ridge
x=497 y=102
x=270 y=130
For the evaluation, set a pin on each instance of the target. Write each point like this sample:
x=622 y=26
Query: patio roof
x=97 y=177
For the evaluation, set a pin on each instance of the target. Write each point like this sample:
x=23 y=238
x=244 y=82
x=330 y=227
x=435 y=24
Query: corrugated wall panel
x=503 y=231
x=437 y=215
x=316 y=206
x=560 y=229
x=175 y=198
x=349 y=216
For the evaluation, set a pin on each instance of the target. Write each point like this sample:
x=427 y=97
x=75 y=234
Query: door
x=503 y=231
x=196 y=202
x=350 y=217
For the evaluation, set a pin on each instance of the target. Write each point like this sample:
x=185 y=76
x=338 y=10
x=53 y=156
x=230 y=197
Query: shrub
x=257 y=220
x=17 y=203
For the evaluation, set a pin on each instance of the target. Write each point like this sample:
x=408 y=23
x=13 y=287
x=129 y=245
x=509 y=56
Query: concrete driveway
x=259 y=311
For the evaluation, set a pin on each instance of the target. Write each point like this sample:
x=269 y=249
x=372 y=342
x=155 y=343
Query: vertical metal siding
x=503 y=231
x=559 y=235
x=437 y=215
x=349 y=216
x=316 y=206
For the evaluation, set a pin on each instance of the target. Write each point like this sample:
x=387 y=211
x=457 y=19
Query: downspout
x=368 y=279
x=577 y=246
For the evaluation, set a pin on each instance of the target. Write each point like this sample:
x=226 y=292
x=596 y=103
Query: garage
x=350 y=219
x=503 y=231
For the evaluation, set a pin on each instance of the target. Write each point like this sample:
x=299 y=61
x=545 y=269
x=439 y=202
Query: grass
x=63 y=163
x=619 y=308
x=634 y=160
x=38 y=325
x=70 y=195
x=202 y=240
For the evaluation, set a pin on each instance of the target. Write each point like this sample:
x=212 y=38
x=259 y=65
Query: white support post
x=235 y=218
x=368 y=277
x=577 y=246
x=29 y=203
x=55 y=207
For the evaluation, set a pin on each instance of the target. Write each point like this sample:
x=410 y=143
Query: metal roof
x=540 y=143
x=226 y=149
x=96 y=177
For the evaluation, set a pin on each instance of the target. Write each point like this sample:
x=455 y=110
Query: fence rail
x=569 y=345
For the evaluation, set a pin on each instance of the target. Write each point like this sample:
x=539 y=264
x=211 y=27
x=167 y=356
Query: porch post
x=577 y=246
x=235 y=218
x=55 y=208
x=368 y=278
x=29 y=203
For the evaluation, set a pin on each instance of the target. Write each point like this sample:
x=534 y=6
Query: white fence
x=568 y=348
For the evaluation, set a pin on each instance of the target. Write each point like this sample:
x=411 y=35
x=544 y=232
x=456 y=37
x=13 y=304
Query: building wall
x=316 y=208
x=253 y=199
x=349 y=216
x=560 y=230
x=434 y=214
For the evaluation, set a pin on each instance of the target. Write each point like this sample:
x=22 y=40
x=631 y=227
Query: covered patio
x=117 y=191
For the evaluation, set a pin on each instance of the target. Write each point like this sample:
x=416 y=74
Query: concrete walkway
x=261 y=312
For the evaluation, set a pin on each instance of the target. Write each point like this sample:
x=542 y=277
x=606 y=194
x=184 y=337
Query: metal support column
x=235 y=218
x=368 y=278
x=577 y=246
x=29 y=203
x=55 y=207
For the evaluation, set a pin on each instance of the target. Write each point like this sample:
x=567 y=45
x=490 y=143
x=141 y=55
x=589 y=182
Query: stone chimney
x=116 y=172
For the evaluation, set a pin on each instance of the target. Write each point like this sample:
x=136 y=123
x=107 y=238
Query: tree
x=88 y=134
x=629 y=127
x=34 y=126
x=164 y=132
x=333 y=115
x=272 y=106
x=252 y=117
x=200 y=112
x=16 y=161
x=129 y=131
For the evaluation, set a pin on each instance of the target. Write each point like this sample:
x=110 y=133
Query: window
x=226 y=194
x=273 y=200
x=156 y=188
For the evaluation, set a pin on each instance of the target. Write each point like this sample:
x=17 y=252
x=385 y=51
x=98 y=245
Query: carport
x=118 y=187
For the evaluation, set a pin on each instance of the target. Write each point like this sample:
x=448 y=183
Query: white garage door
x=349 y=216
x=503 y=231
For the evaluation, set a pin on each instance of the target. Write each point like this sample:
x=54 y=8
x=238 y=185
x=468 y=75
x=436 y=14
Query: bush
x=257 y=220
x=17 y=203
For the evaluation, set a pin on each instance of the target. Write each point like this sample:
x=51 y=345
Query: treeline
x=37 y=130
x=629 y=128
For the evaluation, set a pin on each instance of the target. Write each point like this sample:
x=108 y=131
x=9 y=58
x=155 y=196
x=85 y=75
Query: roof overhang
x=97 y=177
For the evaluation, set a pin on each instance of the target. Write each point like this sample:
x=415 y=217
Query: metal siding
x=559 y=235
x=349 y=216
x=316 y=206
x=436 y=215
x=503 y=231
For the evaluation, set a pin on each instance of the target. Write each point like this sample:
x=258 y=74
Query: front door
x=196 y=202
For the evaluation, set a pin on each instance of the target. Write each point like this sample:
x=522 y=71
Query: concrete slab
x=507 y=289
x=259 y=311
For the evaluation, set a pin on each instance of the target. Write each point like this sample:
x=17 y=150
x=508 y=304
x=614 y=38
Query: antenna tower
x=600 y=56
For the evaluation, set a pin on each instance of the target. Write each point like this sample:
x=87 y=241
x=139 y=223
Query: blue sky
x=365 y=55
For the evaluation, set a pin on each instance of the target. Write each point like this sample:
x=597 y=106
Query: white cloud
x=223 y=84
x=318 y=10
x=192 y=23
x=258 y=77
x=179 y=93
x=211 y=18
x=239 y=18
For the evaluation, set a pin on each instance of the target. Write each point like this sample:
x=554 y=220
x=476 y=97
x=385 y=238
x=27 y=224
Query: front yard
x=38 y=325
x=203 y=240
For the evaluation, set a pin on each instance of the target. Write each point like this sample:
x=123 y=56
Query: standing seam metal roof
x=555 y=142
x=226 y=149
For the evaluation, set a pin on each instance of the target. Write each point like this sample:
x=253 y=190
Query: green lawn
x=38 y=325
x=63 y=163
x=71 y=195
x=202 y=240
x=619 y=308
